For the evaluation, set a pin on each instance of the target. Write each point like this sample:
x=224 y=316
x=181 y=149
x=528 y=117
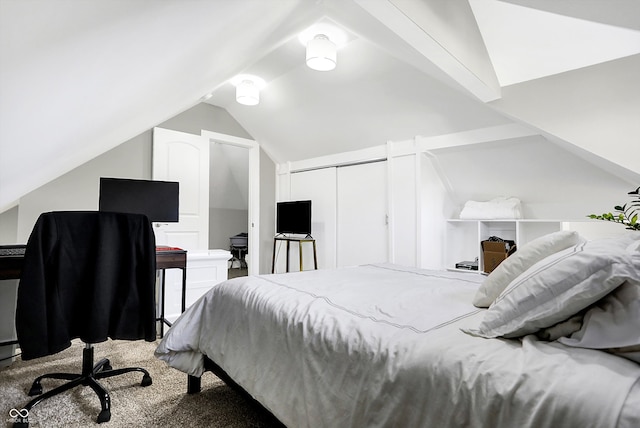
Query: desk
x=300 y=241
x=12 y=259
x=170 y=258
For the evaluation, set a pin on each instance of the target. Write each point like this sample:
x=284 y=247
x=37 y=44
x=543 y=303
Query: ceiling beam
x=445 y=33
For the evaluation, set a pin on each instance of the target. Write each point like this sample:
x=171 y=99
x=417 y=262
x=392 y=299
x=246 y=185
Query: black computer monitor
x=158 y=200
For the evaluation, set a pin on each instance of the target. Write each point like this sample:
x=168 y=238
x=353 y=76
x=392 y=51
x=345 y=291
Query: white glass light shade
x=247 y=93
x=321 y=53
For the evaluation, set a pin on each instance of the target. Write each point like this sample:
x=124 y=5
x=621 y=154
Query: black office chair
x=87 y=275
x=239 y=248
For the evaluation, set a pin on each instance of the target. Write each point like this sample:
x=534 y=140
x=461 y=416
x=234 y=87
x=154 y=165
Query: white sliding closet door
x=320 y=187
x=362 y=214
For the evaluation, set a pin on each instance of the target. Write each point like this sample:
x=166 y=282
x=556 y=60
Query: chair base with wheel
x=89 y=377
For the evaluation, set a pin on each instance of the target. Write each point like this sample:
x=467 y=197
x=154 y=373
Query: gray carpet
x=162 y=404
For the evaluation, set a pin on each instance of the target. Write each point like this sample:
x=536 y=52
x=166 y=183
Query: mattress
x=382 y=345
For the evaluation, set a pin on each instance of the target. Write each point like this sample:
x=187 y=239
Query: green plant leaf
x=626 y=214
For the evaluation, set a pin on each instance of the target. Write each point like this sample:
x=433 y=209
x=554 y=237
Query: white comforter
x=381 y=345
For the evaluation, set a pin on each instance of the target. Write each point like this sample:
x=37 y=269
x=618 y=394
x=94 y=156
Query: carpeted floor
x=235 y=272
x=165 y=403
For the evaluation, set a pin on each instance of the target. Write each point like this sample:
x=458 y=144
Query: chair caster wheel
x=104 y=416
x=36 y=389
x=107 y=367
x=146 y=380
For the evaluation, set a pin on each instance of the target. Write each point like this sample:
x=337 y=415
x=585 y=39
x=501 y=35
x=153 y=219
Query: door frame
x=253 y=226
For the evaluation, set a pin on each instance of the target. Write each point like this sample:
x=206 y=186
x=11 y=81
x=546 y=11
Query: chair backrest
x=88 y=275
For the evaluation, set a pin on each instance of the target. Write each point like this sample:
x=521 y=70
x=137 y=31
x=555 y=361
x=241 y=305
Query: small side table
x=300 y=241
x=171 y=258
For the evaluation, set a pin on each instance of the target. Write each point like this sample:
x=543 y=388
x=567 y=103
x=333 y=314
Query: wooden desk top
x=12 y=259
x=167 y=258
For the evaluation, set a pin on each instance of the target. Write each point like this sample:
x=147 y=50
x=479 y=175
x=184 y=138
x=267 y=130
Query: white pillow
x=521 y=260
x=558 y=287
x=634 y=243
x=613 y=322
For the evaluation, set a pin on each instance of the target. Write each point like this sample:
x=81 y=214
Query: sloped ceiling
x=544 y=42
x=78 y=78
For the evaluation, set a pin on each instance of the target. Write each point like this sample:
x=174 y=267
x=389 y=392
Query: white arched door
x=182 y=157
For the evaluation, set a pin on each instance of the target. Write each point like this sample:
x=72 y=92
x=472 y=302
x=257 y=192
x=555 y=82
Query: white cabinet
x=204 y=270
x=463 y=237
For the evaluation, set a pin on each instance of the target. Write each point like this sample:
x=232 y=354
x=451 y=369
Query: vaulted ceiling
x=78 y=78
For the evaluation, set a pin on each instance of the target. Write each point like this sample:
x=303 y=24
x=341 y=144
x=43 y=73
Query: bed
x=389 y=346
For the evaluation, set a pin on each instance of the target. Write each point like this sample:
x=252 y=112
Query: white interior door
x=182 y=157
x=362 y=214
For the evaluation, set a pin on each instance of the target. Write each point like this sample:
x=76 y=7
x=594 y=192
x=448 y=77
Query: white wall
x=320 y=187
x=78 y=189
x=9 y=226
x=267 y=210
x=228 y=193
x=435 y=206
x=225 y=223
x=595 y=108
x=550 y=181
x=430 y=179
x=404 y=209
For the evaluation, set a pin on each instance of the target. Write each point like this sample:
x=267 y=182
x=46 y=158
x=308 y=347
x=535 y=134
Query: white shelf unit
x=463 y=237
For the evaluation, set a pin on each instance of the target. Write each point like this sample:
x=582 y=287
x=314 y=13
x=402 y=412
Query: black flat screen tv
x=293 y=217
x=158 y=200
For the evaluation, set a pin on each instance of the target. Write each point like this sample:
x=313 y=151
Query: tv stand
x=288 y=240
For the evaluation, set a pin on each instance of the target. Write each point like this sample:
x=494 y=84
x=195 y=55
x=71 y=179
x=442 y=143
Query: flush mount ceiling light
x=248 y=89
x=321 y=53
x=322 y=41
x=247 y=93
